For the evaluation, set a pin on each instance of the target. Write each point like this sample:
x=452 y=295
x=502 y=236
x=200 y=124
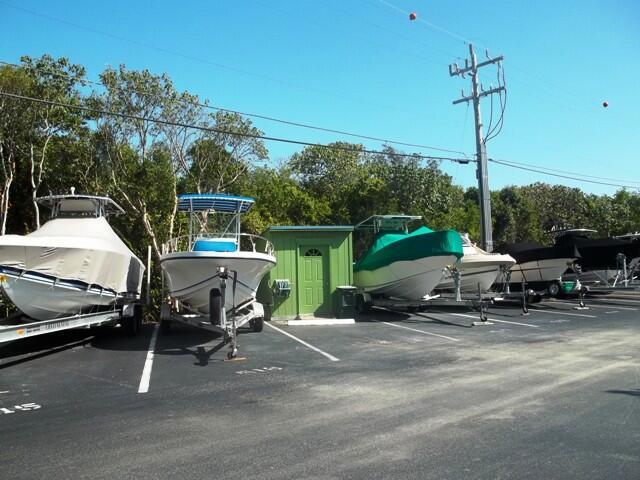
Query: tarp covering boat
x=86 y=250
x=599 y=253
x=532 y=251
x=390 y=247
x=73 y=263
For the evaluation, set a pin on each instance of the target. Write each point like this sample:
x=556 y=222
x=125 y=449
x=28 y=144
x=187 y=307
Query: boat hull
x=485 y=275
x=406 y=279
x=45 y=298
x=191 y=276
x=537 y=273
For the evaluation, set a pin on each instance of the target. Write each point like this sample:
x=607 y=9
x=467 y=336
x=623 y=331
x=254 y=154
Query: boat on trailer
x=74 y=264
x=213 y=273
x=476 y=269
x=604 y=262
x=402 y=264
x=539 y=267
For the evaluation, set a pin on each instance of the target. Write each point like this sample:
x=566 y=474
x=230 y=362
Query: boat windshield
x=70 y=206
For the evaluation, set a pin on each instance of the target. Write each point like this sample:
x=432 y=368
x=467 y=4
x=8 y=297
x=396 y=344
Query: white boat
x=194 y=264
x=476 y=267
x=540 y=267
x=73 y=264
x=400 y=264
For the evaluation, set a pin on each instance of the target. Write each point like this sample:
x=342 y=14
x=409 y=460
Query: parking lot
x=554 y=394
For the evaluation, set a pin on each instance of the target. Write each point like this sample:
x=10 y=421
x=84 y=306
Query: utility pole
x=481 y=149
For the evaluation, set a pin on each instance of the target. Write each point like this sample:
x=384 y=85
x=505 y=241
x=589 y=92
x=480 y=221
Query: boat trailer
x=478 y=301
x=127 y=315
x=220 y=320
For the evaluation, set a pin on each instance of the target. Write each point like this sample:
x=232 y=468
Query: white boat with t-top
x=476 y=268
x=194 y=264
x=75 y=263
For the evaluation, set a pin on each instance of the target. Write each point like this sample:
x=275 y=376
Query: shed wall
x=289 y=246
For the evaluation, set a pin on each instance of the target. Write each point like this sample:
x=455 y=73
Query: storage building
x=314 y=263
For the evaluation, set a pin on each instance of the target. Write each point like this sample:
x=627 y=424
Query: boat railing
x=247 y=242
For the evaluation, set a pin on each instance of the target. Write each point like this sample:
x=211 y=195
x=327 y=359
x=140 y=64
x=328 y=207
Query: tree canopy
x=143 y=165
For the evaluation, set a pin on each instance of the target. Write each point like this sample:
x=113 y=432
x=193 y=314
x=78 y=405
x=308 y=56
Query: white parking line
x=315 y=349
x=496 y=320
x=627 y=301
x=591 y=304
x=553 y=312
x=148 y=364
x=419 y=331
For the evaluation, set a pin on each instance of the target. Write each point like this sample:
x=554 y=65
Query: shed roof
x=311 y=228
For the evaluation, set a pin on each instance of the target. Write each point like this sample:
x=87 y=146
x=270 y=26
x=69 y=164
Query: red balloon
x=605 y=104
x=412 y=16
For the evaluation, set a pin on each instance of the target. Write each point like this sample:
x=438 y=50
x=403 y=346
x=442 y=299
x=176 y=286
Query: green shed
x=312 y=263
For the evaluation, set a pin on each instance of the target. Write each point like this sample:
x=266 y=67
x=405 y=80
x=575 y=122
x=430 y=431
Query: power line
x=198 y=59
x=298 y=142
x=429 y=24
x=226 y=132
x=561 y=92
x=253 y=115
x=506 y=163
x=569 y=172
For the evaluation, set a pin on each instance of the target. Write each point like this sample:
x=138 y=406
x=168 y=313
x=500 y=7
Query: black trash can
x=346 y=302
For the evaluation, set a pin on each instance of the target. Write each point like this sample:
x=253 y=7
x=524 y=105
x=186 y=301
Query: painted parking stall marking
x=496 y=320
x=593 y=305
x=257 y=371
x=24 y=407
x=554 y=312
x=308 y=345
x=419 y=331
x=148 y=364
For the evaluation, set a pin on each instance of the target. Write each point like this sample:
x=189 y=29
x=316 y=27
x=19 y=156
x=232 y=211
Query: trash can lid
x=347 y=287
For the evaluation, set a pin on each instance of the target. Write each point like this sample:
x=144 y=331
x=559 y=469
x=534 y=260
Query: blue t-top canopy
x=218 y=202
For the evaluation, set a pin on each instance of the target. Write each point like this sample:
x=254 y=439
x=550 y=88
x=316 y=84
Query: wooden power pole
x=471 y=67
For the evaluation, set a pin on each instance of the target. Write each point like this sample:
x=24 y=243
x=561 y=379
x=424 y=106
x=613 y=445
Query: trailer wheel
x=257 y=324
x=215 y=305
x=554 y=289
x=138 y=314
x=361 y=305
x=165 y=326
x=130 y=326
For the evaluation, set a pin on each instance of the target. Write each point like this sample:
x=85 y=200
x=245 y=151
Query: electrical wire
x=563 y=93
x=227 y=132
x=598 y=177
x=253 y=115
x=508 y=164
x=429 y=24
x=503 y=105
x=201 y=60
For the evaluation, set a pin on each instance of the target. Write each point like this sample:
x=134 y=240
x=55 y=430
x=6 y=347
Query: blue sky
x=362 y=66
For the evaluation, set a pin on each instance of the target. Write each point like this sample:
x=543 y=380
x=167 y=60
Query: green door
x=313 y=280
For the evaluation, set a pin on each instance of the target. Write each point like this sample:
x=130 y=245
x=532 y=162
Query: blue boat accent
x=218 y=202
x=213 y=245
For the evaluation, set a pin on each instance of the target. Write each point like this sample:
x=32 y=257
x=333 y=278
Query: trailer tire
x=554 y=289
x=165 y=326
x=361 y=305
x=257 y=324
x=138 y=314
x=215 y=305
x=130 y=326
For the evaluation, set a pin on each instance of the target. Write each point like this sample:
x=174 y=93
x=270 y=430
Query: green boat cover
x=389 y=247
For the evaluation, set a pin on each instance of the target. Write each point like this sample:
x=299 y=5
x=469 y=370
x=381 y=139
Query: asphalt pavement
x=554 y=394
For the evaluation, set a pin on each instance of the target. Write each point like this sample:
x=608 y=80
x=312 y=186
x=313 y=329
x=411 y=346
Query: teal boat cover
x=390 y=247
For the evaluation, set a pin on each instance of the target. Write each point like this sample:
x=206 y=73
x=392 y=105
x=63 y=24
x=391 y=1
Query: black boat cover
x=531 y=251
x=599 y=253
